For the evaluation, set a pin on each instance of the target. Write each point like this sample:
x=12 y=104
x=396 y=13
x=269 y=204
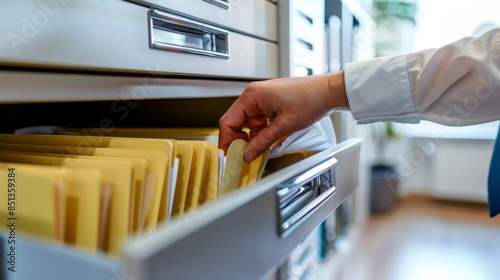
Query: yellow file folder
x=131 y=184
x=117 y=173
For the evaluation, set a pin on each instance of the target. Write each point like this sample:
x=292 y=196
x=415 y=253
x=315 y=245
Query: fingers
x=257 y=124
x=245 y=112
x=229 y=130
x=265 y=138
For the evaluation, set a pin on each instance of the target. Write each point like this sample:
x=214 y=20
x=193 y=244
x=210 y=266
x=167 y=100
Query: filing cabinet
x=81 y=53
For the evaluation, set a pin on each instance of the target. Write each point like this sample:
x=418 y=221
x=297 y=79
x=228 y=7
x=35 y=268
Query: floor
x=427 y=239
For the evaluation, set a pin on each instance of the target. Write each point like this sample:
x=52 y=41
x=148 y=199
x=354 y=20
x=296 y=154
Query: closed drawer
x=114 y=36
x=256 y=18
x=242 y=236
x=30 y=87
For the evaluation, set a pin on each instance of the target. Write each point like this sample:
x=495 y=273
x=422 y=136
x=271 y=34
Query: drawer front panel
x=257 y=17
x=57 y=87
x=115 y=36
x=32 y=260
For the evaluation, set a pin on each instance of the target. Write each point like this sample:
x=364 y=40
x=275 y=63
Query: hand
x=275 y=108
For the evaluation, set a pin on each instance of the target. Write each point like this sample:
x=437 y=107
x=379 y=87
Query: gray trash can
x=383 y=188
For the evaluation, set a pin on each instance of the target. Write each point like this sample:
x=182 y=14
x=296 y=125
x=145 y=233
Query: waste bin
x=383 y=188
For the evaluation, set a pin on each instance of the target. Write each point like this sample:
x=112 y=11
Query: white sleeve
x=458 y=84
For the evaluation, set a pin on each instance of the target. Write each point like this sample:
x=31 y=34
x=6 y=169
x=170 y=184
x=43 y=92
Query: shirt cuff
x=379 y=90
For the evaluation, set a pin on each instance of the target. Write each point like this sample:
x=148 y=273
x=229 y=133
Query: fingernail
x=250 y=156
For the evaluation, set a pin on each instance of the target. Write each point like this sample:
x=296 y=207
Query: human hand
x=275 y=108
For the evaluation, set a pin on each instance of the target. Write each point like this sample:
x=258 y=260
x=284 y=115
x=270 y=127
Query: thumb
x=265 y=138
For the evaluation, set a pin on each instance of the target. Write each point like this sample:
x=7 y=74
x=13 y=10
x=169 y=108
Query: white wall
x=446 y=162
x=444 y=21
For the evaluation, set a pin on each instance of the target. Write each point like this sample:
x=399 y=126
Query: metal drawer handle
x=301 y=196
x=221 y=3
x=174 y=33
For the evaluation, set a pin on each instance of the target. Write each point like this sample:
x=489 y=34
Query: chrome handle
x=175 y=33
x=300 y=196
x=221 y=3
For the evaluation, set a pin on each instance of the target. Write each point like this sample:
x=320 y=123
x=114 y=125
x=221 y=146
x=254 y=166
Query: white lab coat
x=456 y=85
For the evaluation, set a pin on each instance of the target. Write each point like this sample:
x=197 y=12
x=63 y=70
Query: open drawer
x=242 y=236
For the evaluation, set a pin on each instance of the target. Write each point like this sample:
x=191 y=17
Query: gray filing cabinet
x=83 y=52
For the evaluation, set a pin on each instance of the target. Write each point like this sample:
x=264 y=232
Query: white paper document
x=318 y=137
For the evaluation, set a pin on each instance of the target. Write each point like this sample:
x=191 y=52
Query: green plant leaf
x=387 y=11
x=391 y=133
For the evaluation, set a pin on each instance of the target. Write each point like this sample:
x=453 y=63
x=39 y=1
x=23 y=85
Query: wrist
x=336 y=91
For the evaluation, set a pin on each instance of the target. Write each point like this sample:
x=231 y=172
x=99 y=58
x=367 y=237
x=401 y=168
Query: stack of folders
x=93 y=192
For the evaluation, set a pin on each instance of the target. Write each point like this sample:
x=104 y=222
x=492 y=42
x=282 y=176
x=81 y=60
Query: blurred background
x=421 y=209
x=427 y=188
